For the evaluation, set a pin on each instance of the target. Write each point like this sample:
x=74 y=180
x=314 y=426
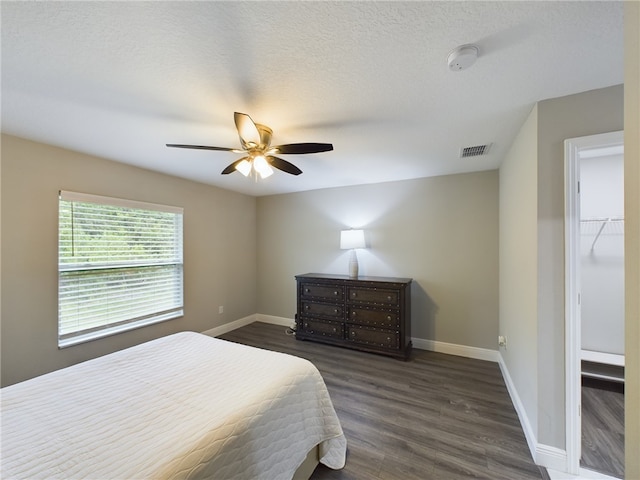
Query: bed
x=182 y=406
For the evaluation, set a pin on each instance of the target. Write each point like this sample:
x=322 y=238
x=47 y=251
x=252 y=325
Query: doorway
x=594 y=292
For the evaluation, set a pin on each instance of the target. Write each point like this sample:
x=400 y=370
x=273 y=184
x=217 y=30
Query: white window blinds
x=119 y=266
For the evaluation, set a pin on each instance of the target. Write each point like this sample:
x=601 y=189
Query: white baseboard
x=551 y=457
x=529 y=434
x=284 y=321
x=584 y=474
x=227 y=327
x=544 y=455
x=243 y=322
x=454 y=349
x=419 y=343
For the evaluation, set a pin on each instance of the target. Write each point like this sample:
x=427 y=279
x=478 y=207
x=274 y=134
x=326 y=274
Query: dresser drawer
x=373 y=295
x=374 y=318
x=373 y=337
x=322 y=327
x=322 y=310
x=333 y=292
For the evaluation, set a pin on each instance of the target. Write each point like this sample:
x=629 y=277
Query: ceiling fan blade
x=203 y=147
x=247 y=130
x=300 y=148
x=283 y=165
x=232 y=167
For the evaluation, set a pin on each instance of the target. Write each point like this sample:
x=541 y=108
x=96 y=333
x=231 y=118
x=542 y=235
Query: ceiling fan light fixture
x=266 y=173
x=261 y=166
x=244 y=167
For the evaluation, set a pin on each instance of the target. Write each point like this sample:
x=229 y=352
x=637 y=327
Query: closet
x=594 y=256
x=602 y=266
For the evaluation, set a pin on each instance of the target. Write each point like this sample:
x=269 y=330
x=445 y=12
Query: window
x=119 y=266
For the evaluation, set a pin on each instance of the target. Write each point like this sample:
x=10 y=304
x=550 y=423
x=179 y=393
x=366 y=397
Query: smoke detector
x=462 y=57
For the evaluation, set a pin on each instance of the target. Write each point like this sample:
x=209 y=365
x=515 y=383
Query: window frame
x=173 y=269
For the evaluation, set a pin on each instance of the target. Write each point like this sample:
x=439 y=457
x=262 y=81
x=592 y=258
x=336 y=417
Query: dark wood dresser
x=367 y=313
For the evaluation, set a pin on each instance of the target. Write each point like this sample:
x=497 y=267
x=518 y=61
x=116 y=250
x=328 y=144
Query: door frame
x=573 y=401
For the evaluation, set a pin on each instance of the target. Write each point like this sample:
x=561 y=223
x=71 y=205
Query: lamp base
x=353 y=264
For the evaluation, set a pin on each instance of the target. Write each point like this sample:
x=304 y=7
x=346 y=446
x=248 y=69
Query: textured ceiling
x=121 y=79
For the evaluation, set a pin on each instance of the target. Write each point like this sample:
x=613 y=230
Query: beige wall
x=532 y=280
x=632 y=236
x=587 y=113
x=219 y=251
x=440 y=231
x=519 y=264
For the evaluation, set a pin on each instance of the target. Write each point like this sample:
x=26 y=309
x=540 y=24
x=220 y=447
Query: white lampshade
x=352 y=239
x=258 y=164
x=261 y=166
x=244 y=167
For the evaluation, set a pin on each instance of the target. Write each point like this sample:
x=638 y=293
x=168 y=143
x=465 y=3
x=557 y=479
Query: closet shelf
x=602 y=357
x=603 y=366
x=616 y=224
x=602 y=219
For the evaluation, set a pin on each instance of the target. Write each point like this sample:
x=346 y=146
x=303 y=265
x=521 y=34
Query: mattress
x=183 y=406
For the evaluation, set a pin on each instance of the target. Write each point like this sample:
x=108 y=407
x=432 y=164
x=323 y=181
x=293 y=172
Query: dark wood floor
x=434 y=417
x=603 y=427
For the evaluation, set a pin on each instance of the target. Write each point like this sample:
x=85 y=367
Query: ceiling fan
x=256 y=142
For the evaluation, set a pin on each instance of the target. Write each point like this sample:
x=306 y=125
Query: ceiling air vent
x=475 y=151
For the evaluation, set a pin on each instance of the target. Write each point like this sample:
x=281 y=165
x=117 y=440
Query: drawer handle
x=389 y=297
x=335 y=293
x=335 y=310
x=307 y=307
x=306 y=325
x=353 y=294
x=307 y=290
x=389 y=317
x=353 y=334
x=335 y=329
x=353 y=314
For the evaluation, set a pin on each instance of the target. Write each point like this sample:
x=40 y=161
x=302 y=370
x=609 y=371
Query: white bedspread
x=182 y=406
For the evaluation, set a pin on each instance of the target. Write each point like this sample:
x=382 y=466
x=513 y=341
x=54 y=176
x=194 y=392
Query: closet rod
x=604 y=221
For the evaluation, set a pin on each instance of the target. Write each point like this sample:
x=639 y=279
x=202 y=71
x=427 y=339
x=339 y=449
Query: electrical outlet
x=502 y=341
x=220 y=309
